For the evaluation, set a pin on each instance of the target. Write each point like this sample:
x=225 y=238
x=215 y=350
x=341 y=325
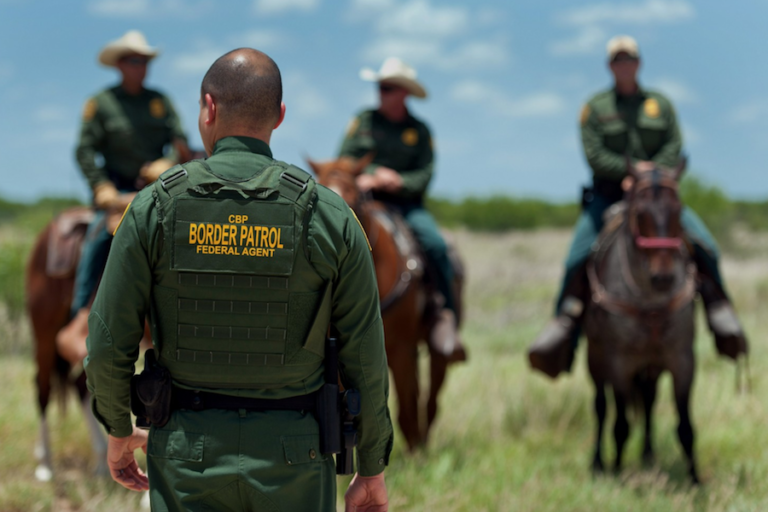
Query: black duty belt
x=201 y=400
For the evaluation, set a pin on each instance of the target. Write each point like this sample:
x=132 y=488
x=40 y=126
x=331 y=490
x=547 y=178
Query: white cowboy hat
x=396 y=72
x=626 y=44
x=132 y=41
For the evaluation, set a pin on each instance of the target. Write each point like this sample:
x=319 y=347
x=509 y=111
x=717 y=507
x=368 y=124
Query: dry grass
x=506 y=439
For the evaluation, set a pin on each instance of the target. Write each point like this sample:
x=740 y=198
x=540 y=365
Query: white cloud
x=185 y=9
x=420 y=51
x=593 y=22
x=749 y=112
x=197 y=62
x=52 y=114
x=280 y=6
x=304 y=100
x=678 y=91
x=539 y=104
x=650 y=11
x=420 y=18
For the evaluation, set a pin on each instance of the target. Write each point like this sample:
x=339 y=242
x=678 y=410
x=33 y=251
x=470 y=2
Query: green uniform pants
x=435 y=249
x=591 y=222
x=218 y=460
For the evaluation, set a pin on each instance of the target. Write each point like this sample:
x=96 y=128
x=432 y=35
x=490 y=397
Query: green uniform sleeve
x=362 y=357
x=175 y=129
x=669 y=154
x=91 y=140
x=358 y=141
x=605 y=163
x=416 y=181
x=116 y=322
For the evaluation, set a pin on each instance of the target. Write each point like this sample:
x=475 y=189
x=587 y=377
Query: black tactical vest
x=241 y=306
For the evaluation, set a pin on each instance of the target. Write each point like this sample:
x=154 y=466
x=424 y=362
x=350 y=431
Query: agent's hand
x=122 y=463
x=366 y=494
x=150 y=171
x=388 y=179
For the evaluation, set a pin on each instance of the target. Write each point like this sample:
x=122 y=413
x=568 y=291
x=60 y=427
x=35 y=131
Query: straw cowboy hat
x=395 y=71
x=132 y=41
x=624 y=44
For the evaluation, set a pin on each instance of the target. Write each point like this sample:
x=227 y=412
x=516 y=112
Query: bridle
x=656 y=242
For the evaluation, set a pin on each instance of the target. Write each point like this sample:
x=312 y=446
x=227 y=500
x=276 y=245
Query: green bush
x=13 y=257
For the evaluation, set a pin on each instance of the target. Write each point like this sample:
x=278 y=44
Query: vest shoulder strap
x=293 y=182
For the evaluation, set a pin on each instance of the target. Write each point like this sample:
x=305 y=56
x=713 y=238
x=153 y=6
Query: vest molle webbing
x=242 y=306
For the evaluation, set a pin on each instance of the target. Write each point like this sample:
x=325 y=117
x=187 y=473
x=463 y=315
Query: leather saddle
x=65 y=238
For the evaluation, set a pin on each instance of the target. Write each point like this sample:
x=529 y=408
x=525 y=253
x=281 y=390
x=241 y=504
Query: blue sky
x=507 y=79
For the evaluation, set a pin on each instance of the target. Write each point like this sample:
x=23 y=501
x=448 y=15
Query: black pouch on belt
x=151 y=393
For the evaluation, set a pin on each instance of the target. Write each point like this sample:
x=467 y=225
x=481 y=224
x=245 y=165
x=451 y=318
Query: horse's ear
x=680 y=169
x=363 y=162
x=315 y=166
x=631 y=169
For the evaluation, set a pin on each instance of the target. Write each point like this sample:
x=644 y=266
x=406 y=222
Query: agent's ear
x=282 y=116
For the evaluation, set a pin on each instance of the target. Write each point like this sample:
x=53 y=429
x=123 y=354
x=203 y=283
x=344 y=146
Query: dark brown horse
x=405 y=299
x=640 y=321
x=50 y=281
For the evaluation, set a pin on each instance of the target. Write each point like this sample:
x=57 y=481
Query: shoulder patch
x=585 y=111
x=89 y=110
x=157 y=108
x=361 y=229
x=410 y=136
x=354 y=123
x=651 y=108
x=121 y=219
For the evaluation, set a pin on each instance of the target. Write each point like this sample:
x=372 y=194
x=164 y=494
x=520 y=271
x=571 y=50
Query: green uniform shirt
x=405 y=147
x=337 y=248
x=643 y=126
x=127 y=131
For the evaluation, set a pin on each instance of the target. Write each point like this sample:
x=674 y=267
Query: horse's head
x=339 y=175
x=653 y=213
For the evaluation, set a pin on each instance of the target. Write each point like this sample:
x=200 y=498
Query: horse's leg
x=683 y=379
x=98 y=440
x=621 y=427
x=438 y=364
x=46 y=363
x=403 y=361
x=600 y=410
x=647 y=383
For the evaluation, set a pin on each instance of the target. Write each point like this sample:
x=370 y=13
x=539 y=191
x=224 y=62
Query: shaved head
x=246 y=85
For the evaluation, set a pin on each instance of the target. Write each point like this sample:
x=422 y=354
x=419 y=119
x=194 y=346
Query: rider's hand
x=366 y=494
x=366 y=182
x=388 y=179
x=104 y=195
x=122 y=463
x=150 y=171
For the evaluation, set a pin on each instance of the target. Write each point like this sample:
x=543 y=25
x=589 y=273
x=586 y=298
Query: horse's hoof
x=648 y=459
x=597 y=467
x=43 y=473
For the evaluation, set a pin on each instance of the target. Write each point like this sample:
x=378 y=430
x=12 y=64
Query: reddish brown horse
x=49 y=285
x=406 y=302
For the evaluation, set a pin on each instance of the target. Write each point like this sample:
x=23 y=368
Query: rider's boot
x=552 y=352
x=721 y=317
x=444 y=337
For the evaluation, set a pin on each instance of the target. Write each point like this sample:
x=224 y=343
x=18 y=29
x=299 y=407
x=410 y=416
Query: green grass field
x=506 y=439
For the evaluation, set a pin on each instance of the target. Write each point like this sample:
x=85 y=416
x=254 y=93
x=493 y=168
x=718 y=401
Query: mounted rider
x=628 y=121
x=402 y=167
x=137 y=135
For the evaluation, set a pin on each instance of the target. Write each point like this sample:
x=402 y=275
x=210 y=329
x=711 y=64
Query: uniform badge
x=352 y=126
x=90 y=109
x=585 y=111
x=410 y=136
x=651 y=108
x=157 y=108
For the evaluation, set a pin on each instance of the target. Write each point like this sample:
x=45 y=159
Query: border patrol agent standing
x=241 y=262
x=137 y=134
x=399 y=175
x=628 y=120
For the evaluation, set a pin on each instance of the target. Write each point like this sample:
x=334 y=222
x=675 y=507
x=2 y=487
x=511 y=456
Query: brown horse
x=50 y=281
x=640 y=321
x=406 y=303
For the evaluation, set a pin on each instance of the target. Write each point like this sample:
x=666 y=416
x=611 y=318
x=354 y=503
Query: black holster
x=151 y=393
